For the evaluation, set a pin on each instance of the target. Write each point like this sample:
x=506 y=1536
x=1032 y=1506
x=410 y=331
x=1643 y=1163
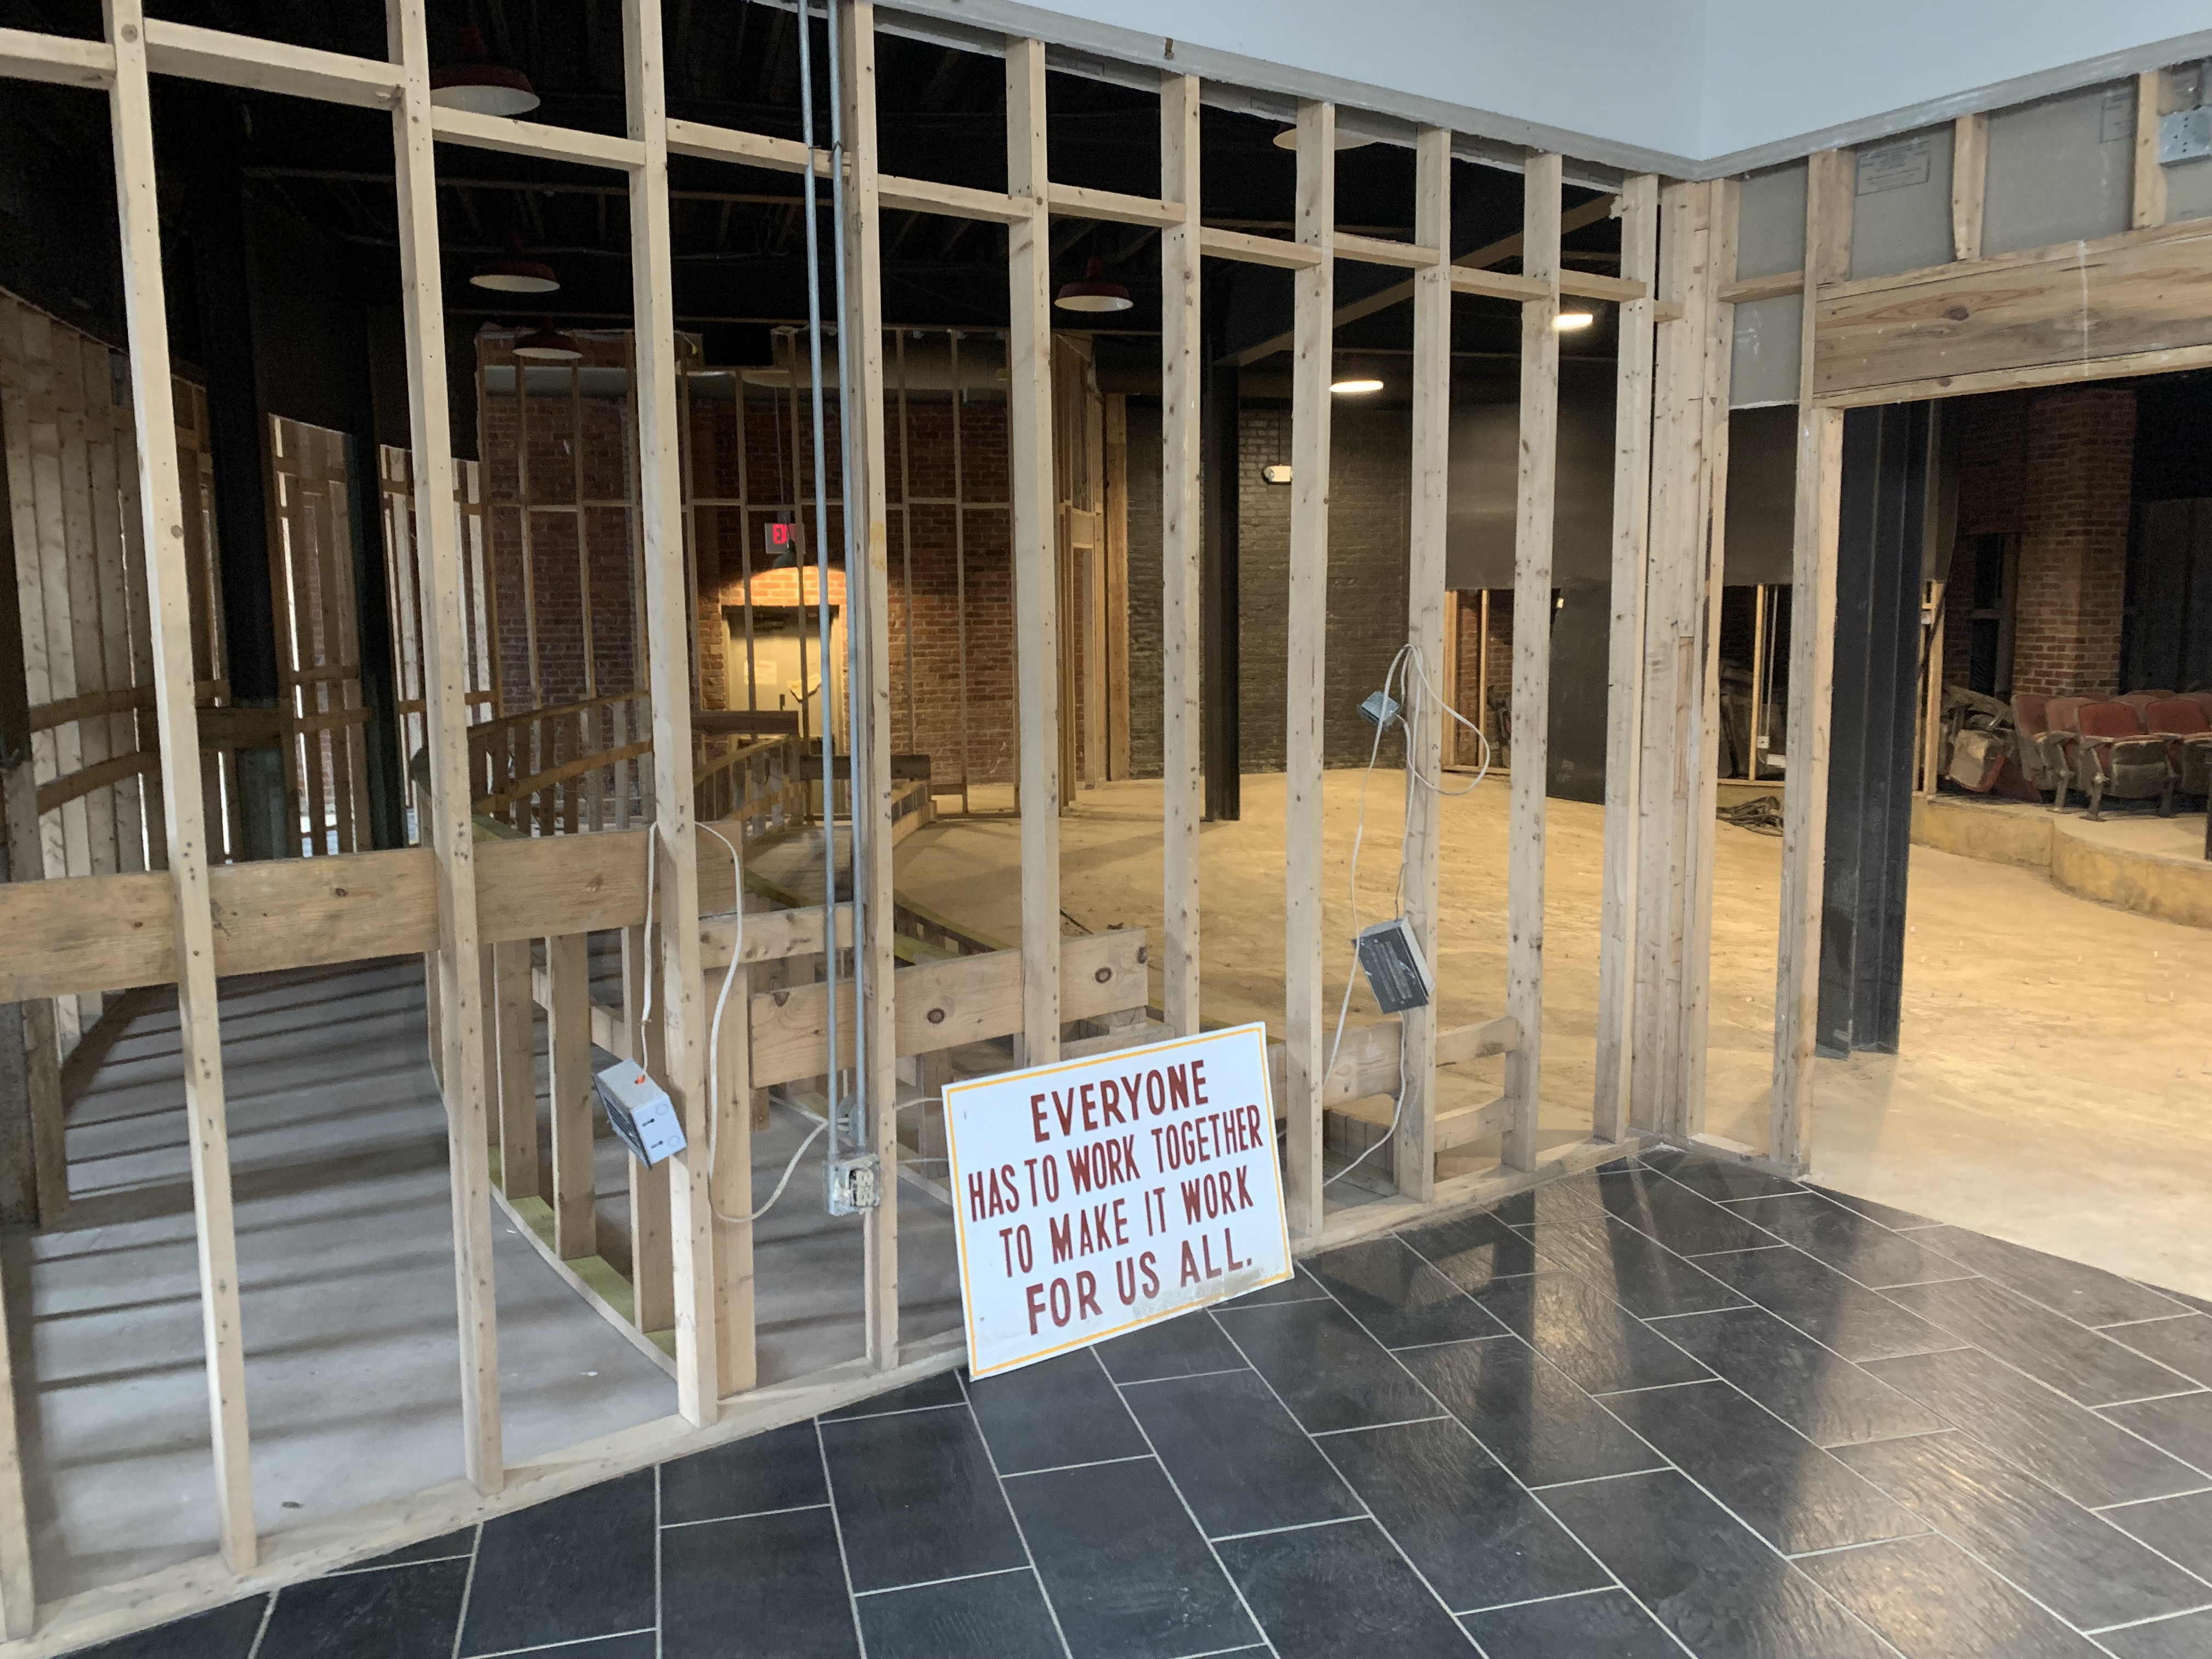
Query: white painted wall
x=1774 y=68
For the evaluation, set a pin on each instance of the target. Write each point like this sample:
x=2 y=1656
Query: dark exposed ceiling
x=738 y=232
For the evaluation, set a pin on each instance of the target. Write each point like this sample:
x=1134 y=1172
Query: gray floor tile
x=1636 y=1270
x=781 y=1469
x=1704 y=1576
x=1679 y=1218
x=2178 y=1527
x=1606 y=1623
x=2038 y=1429
x=1186 y=1346
x=2089 y=1295
x=1926 y=1595
x=1240 y=1460
x=356 y=1614
x=1398 y=1297
x=1340 y=1592
x=2189 y=1636
x=2083 y=1568
x=1331 y=1374
x=1835 y=1311
x=917 y=1499
x=1527 y=1413
x=2182 y=1426
x=2084 y=1366
x=1124 y=1564
x=1826 y=1398
x=1463 y=1521
x=1721 y=1180
x=1473 y=1251
x=1850 y=1242
x=2183 y=1344
x=776 y=1578
x=1002 y=1616
x=1886 y=1214
x=577 y=1565
x=1773 y=1479
x=1062 y=1410
x=1588 y=1334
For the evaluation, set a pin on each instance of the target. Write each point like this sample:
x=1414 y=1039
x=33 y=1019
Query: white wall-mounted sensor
x=640 y=1111
x=1276 y=474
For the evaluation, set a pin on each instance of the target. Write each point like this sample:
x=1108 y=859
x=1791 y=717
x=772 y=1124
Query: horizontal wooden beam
x=1367 y=1061
x=1255 y=250
x=27 y=55
x=951 y=201
x=244 y=60
x=753 y=149
x=71 y=785
x=1596 y=285
x=1748 y=289
x=2063 y=313
x=1498 y=284
x=1374 y=250
x=1466 y=1124
x=513 y=137
x=943 y=1005
x=1080 y=202
x=771 y=935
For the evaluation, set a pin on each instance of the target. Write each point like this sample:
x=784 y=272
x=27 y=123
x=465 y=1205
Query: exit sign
x=782 y=537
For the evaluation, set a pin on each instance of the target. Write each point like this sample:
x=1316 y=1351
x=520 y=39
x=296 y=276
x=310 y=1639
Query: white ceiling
x=1688 y=85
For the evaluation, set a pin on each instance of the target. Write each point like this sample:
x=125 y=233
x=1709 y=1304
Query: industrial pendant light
x=514 y=272
x=1288 y=139
x=1093 y=293
x=547 y=345
x=478 y=84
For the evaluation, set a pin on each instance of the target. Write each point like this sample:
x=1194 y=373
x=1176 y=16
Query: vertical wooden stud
x=668 y=629
x=2147 y=202
x=176 y=726
x=1304 y=1024
x=1036 y=608
x=1969 y=178
x=1182 y=516
x=516 y=1050
x=568 y=1046
x=1631 y=527
x=1811 y=664
x=868 y=611
x=1412 y=1156
x=1532 y=657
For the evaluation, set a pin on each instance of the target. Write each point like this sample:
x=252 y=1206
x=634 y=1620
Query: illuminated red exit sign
x=782 y=537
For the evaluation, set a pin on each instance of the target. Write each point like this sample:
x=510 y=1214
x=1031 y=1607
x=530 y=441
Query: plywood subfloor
x=2051 y=1085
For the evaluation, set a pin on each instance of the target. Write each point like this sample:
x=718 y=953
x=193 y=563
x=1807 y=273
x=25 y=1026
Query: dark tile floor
x=1667 y=1406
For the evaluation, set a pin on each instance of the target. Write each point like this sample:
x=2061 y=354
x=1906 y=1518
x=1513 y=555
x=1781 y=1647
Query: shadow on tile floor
x=1667 y=1406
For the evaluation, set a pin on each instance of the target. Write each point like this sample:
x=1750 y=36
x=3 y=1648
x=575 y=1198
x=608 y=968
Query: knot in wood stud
x=1103 y=974
x=1957 y=314
x=937 y=1016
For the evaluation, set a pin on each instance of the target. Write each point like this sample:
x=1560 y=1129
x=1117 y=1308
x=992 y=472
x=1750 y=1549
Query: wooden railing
x=752 y=779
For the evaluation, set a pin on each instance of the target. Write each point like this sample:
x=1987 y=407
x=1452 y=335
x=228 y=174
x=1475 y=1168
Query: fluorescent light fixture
x=1568 y=321
x=1354 y=388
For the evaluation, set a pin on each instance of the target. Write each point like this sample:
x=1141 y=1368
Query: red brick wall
x=2076 y=497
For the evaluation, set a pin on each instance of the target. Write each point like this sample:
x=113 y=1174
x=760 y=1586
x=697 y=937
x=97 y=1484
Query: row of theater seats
x=2135 y=747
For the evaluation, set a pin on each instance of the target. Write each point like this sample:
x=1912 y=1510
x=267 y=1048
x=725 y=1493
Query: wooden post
x=450 y=833
x=1412 y=1157
x=1931 y=720
x=732 y=1188
x=1715 y=324
x=1305 y=1030
x=1532 y=657
x=1036 y=608
x=516 y=1051
x=868 y=591
x=668 y=629
x=2147 y=202
x=1970 y=176
x=1182 y=788
x=1631 y=528
x=1812 y=663
x=569 y=1047
x=1114 y=541
x=176 y=727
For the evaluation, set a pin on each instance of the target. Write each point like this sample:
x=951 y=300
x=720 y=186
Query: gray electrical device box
x=1380 y=708
x=854 y=1184
x=640 y=1112
x=2186 y=134
x=1396 y=972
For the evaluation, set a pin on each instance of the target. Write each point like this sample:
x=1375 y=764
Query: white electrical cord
x=1409 y=658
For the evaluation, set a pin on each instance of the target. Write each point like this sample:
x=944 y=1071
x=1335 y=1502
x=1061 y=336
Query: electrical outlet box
x=640 y=1112
x=1396 y=972
x=2184 y=135
x=1380 y=708
x=853 y=1183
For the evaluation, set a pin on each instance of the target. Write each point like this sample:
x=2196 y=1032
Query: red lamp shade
x=514 y=272
x=1093 y=293
x=477 y=83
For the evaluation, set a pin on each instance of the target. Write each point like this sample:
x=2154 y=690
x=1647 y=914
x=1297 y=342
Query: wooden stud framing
x=1631 y=524
x=517 y=1075
x=161 y=507
x=1812 y=658
x=1532 y=657
x=2147 y=195
x=868 y=611
x=450 y=834
x=568 y=1044
x=1970 y=179
x=668 y=626
x=1036 y=611
x=1305 y=1030
x=1182 y=514
x=1413 y=1149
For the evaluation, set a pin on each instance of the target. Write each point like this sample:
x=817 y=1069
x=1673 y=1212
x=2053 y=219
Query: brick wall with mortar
x=2056 y=469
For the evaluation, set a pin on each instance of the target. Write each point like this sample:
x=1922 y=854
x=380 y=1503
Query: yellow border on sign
x=960 y=1230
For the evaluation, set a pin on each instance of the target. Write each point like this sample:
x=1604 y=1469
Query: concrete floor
x=346 y=1279
x=2051 y=1083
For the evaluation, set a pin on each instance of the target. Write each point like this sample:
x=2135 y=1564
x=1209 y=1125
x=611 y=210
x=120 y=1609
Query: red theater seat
x=2187 y=728
x=2114 y=756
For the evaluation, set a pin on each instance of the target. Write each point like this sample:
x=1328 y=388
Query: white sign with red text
x=1097 y=1195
